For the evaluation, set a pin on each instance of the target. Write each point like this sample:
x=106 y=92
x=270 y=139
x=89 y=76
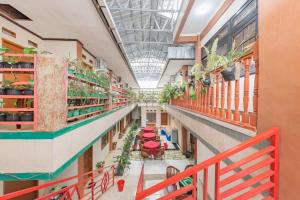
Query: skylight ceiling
x=146 y=29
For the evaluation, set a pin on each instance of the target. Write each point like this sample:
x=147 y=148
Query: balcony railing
x=234 y=102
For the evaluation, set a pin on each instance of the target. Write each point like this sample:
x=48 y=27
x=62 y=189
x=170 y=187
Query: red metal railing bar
x=205 y=184
x=247 y=183
x=255 y=191
x=273 y=132
x=177 y=192
x=246 y=171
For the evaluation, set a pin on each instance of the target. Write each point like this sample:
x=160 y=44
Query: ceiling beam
x=145 y=42
x=143 y=10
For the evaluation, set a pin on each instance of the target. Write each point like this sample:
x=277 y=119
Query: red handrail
x=269 y=156
x=141 y=182
x=92 y=185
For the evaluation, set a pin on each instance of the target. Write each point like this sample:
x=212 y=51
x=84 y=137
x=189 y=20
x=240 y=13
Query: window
x=151 y=117
x=241 y=28
x=104 y=141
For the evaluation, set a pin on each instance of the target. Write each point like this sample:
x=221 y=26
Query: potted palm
x=13 y=116
x=2 y=114
x=22 y=64
x=27 y=116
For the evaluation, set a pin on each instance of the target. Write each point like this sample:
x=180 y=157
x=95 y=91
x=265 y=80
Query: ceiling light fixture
x=203 y=8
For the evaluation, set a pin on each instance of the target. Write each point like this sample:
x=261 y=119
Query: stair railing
x=242 y=179
x=91 y=185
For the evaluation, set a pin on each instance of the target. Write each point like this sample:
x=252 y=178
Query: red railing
x=141 y=182
x=90 y=185
x=227 y=100
x=254 y=173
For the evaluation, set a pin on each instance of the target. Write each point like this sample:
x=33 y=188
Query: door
x=184 y=134
x=12 y=186
x=164 y=118
x=88 y=160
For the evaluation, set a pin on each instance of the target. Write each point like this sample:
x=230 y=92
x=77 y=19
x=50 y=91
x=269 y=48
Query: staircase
x=90 y=185
x=253 y=176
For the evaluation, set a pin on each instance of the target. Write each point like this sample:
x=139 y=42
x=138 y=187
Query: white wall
x=71 y=170
x=98 y=153
x=48 y=155
x=62 y=48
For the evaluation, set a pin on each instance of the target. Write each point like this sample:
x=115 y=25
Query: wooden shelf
x=87 y=98
x=16 y=96
x=80 y=116
x=16 y=70
x=16 y=109
x=16 y=122
x=84 y=81
x=86 y=106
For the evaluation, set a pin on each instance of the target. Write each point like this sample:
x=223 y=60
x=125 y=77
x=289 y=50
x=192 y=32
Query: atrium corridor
x=149 y=99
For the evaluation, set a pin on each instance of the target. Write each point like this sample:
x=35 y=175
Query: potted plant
x=3 y=64
x=2 y=114
x=192 y=93
x=114 y=145
x=100 y=166
x=26 y=64
x=10 y=88
x=2 y=89
x=231 y=68
x=13 y=116
x=27 y=116
x=213 y=62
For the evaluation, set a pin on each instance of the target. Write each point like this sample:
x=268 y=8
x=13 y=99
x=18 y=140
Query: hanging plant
x=192 y=93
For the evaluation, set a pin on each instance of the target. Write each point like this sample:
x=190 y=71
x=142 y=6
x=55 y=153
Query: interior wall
x=98 y=153
x=279 y=85
x=1 y=187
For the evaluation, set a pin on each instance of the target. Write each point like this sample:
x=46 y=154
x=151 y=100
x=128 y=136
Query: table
x=152 y=146
x=149 y=136
x=148 y=129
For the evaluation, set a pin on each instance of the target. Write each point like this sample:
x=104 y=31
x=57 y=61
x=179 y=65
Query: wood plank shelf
x=16 y=96
x=88 y=98
x=84 y=115
x=84 y=81
x=16 y=122
x=16 y=70
x=86 y=106
x=16 y=109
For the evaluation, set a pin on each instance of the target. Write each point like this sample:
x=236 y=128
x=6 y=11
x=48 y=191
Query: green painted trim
x=52 y=175
x=29 y=135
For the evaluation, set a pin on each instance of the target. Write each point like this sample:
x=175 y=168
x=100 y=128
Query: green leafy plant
x=3 y=50
x=29 y=50
x=232 y=56
x=213 y=59
x=100 y=164
x=167 y=94
x=192 y=93
x=28 y=103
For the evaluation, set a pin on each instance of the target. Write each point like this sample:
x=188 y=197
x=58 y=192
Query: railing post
x=246 y=92
x=195 y=186
x=212 y=109
x=275 y=165
x=217 y=111
x=255 y=96
x=228 y=114
x=205 y=184
x=222 y=99
x=93 y=187
x=236 y=116
x=217 y=181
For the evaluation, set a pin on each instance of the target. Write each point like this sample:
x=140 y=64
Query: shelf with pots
x=87 y=92
x=18 y=101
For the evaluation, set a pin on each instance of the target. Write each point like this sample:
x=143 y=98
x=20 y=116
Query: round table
x=148 y=129
x=149 y=136
x=151 y=145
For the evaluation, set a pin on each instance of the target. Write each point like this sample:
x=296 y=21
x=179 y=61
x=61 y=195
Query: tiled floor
x=155 y=171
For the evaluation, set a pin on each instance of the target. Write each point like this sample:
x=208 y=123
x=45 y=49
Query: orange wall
x=279 y=85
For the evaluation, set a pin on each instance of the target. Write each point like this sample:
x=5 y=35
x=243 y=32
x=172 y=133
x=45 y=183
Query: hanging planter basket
x=232 y=72
x=206 y=81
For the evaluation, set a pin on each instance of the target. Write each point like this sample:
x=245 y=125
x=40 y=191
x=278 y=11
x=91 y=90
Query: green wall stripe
x=56 y=173
x=29 y=135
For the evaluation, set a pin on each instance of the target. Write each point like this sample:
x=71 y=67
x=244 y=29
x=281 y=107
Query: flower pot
x=27 y=92
x=12 y=117
x=206 y=82
x=229 y=73
x=4 y=65
x=26 y=117
x=75 y=113
x=121 y=184
x=26 y=65
x=12 y=91
x=2 y=91
x=166 y=145
x=2 y=117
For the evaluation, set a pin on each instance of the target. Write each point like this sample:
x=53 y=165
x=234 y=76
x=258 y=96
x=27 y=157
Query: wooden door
x=88 y=160
x=164 y=118
x=184 y=139
x=110 y=140
x=13 y=186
